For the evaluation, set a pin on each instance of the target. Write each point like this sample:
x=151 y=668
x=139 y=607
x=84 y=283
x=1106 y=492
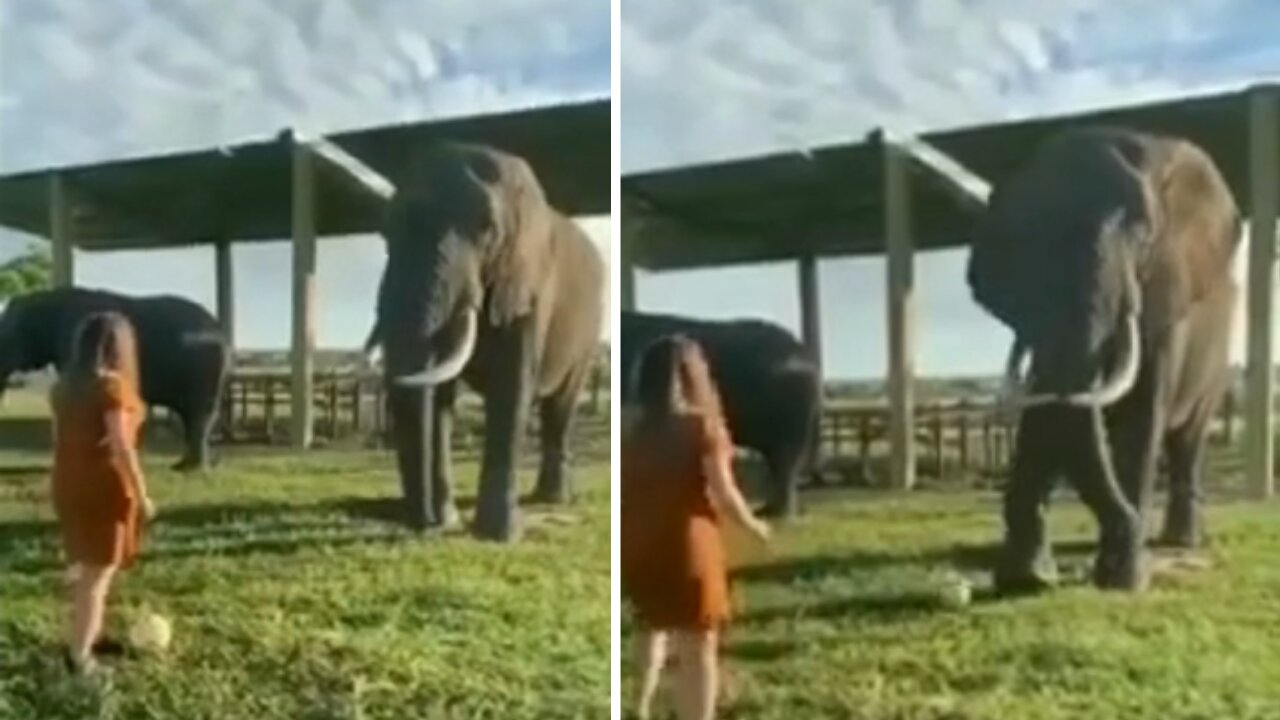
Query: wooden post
x=901 y=311
x=627 y=282
x=302 y=417
x=1264 y=185
x=938 y=436
x=61 y=231
x=224 y=285
x=810 y=314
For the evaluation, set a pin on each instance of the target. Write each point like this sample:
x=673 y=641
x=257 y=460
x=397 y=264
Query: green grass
x=291 y=599
x=842 y=620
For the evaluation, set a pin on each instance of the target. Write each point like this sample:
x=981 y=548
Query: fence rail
x=955 y=439
x=255 y=409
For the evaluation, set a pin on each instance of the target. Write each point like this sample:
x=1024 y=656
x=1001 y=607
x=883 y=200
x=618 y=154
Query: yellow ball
x=150 y=632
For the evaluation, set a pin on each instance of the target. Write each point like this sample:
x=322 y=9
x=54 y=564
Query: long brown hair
x=673 y=379
x=104 y=343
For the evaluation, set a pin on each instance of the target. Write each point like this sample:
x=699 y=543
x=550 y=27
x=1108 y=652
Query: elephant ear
x=1196 y=227
x=993 y=267
x=521 y=256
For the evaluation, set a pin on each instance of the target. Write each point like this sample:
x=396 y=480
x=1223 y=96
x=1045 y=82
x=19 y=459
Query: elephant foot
x=1180 y=540
x=553 y=485
x=190 y=465
x=1180 y=532
x=1014 y=579
x=544 y=496
x=1121 y=565
x=784 y=509
x=447 y=517
x=501 y=525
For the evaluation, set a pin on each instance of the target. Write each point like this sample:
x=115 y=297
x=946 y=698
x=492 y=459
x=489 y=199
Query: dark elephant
x=769 y=383
x=484 y=281
x=1109 y=256
x=183 y=355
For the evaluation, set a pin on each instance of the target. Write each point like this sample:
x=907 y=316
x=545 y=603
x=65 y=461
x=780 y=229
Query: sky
x=704 y=80
x=88 y=80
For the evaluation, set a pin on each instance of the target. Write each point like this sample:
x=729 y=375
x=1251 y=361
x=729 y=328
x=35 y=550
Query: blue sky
x=704 y=80
x=87 y=80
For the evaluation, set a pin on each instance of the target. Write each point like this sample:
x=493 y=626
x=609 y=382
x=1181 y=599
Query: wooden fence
x=352 y=406
x=958 y=439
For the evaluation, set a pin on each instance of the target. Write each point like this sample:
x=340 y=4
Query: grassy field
x=843 y=619
x=290 y=598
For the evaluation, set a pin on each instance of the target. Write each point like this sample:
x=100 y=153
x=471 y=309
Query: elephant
x=484 y=282
x=769 y=383
x=1109 y=257
x=183 y=355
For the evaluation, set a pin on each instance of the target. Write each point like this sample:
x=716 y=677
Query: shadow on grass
x=229 y=529
x=975 y=557
x=879 y=608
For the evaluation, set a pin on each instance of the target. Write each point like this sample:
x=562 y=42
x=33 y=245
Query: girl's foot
x=82 y=668
x=108 y=647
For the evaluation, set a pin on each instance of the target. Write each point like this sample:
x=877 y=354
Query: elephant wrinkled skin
x=1109 y=257
x=769 y=383
x=486 y=282
x=183 y=356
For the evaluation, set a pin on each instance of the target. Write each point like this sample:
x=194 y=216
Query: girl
x=99 y=493
x=677 y=484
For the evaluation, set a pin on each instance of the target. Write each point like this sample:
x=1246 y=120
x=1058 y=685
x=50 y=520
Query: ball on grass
x=150 y=632
x=955 y=592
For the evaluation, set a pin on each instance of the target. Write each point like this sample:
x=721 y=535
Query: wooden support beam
x=225 y=289
x=810 y=311
x=965 y=186
x=1264 y=186
x=901 y=316
x=351 y=166
x=60 y=232
x=302 y=419
x=627 y=289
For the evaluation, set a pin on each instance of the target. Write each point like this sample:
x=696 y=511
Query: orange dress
x=673 y=561
x=97 y=507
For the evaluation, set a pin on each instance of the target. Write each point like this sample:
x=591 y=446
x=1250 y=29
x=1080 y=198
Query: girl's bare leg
x=696 y=687
x=88 y=606
x=650 y=655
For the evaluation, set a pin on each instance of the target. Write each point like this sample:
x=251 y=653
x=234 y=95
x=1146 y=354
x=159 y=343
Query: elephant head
x=20 y=348
x=1096 y=248
x=467 y=234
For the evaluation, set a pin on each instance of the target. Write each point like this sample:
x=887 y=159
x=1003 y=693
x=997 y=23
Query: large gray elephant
x=770 y=384
x=183 y=355
x=1109 y=257
x=484 y=281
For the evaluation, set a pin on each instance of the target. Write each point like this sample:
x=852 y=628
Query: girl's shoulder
x=117 y=390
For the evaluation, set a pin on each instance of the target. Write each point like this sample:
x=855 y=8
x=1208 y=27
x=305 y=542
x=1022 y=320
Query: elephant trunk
x=1114 y=386
x=451 y=365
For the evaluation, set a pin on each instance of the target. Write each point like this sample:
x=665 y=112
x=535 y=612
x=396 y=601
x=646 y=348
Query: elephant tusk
x=1122 y=380
x=448 y=368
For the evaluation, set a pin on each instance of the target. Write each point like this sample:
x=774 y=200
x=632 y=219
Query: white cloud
x=705 y=80
x=86 y=80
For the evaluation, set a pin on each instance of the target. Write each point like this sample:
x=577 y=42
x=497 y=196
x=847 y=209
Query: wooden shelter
x=894 y=195
x=290 y=186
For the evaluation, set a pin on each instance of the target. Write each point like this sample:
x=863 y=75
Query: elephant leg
x=1026 y=562
x=1185 y=451
x=557 y=413
x=443 y=506
x=507 y=399
x=408 y=418
x=197 y=426
x=785 y=465
x=1092 y=471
